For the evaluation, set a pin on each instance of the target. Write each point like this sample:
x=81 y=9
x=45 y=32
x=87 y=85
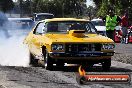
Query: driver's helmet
x=75 y=26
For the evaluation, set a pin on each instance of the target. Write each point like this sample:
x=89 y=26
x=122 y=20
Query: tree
x=6 y=5
x=26 y=7
x=120 y=6
x=75 y=7
x=98 y=3
x=103 y=8
x=60 y=8
x=91 y=12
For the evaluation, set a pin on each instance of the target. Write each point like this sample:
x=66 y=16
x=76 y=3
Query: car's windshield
x=65 y=26
x=98 y=23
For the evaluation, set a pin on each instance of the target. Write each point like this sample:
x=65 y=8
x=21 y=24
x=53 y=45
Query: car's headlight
x=57 y=47
x=108 y=46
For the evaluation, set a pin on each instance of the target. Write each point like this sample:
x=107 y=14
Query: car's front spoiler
x=86 y=54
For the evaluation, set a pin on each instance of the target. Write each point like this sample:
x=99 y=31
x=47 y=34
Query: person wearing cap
x=111 y=21
x=124 y=26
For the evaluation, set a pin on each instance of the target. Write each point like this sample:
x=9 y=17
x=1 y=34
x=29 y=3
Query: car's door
x=37 y=39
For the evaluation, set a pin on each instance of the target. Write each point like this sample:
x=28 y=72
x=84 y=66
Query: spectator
x=124 y=25
x=111 y=21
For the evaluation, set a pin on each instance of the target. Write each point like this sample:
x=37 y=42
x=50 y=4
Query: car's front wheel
x=60 y=64
x=106 y=64
x=48 y=63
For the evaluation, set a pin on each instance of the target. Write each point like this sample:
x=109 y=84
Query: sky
x=89 y=2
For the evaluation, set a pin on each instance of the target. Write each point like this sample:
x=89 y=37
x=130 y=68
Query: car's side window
x=39 y=28
x=93 y=29
x=90 y=28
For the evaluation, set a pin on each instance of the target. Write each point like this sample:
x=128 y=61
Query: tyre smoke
x=12 y=50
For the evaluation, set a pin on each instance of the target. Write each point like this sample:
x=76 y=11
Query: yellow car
x=68 y=40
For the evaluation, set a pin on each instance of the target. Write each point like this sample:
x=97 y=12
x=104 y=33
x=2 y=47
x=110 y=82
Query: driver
x=75 y=26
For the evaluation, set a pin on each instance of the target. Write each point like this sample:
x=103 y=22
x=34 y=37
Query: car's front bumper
x=81 y=54
x=76 y=58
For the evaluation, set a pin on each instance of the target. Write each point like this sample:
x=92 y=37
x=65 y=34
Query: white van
x=100 y=26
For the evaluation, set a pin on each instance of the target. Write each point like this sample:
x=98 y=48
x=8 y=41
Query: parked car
x=100 y=26
x=21 y=23
x=42 y=16
x=68 y=40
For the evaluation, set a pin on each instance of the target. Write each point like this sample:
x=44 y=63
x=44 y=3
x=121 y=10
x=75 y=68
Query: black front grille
x=71 y=48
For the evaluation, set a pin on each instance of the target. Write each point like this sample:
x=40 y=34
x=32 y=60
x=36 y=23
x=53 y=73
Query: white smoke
x=12 y=50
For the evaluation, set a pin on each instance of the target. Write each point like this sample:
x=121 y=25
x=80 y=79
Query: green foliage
x=103 y=9
x=60 y=8
x=90 y=12
x=120 y=7
x=6 y=5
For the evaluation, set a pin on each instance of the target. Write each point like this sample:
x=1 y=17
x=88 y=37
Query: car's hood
x=100 y=28
x=65 y=38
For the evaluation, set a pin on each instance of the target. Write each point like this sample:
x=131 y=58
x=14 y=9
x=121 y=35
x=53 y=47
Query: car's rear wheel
x=32 y=61
x=106 y=64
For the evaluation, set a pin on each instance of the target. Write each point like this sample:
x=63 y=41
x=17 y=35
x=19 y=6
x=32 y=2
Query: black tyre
x=60 y=64
x=33 y=61
x=106 y=64
x=48 y=63
x=87 y=65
